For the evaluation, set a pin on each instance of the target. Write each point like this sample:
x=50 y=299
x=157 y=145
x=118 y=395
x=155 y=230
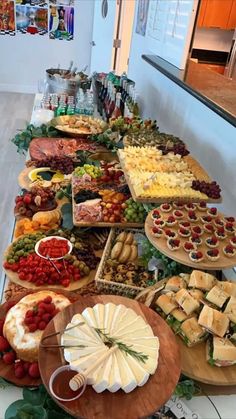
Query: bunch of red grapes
x=211 y=189
x=35 y=197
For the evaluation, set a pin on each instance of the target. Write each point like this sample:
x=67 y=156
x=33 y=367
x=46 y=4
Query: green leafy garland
x=24 y=137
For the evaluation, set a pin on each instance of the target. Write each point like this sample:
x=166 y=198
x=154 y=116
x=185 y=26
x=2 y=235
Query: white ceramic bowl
x=49 y=238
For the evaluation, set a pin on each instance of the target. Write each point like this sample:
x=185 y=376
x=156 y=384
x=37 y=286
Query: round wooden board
x=14 y=277
x=183 y=257
x=141 y=402
x=195 y=366
x=7 y=371
x=23 y=178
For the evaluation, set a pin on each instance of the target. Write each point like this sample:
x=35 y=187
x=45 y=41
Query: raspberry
x=41 y=312
x=36 y=319
x=29 y=320
x=34 y=370
x=32 y=327
x=20 y=372
x=199 y=255
x=1 y=326
x=47 y=300
x=4 y=344
x=9 y=358
x=42 y=325
x=29 y=313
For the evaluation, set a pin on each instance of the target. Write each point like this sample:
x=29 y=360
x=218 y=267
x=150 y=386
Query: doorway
x=112 y=35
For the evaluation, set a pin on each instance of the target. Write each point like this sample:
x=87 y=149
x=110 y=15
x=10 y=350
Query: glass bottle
x=117 y=112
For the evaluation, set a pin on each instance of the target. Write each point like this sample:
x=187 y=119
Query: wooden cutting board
x=180 y=255
x=141 y=402
x=195 y=366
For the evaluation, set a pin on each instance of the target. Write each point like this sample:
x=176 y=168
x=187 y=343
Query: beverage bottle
x=136 y=110
x=117 y=112
x=111 y=105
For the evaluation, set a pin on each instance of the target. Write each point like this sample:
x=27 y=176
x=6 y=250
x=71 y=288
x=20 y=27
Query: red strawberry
x=1 y=326
x=29 y=320
x=4 y=344
x=34 y=370
x=9 y=357
x=20 y=372
x=26 y=366
x=29 y=313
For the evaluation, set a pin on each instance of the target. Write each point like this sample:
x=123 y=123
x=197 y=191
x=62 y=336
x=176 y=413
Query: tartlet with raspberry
x=212 y=212
x=184 y=232
x=156 y=214
x=159 y=223
x=195 y=239
x=189 y=247
x=196 y=256
x=220 y=233
x=233 y=241
x=178 y=214
x=202 y=206
x=157 y=232
x=229 y=251
x=212 y=242
x=229 y=227
x=173 y=244
x=192 y=216
x=166 y=207
x=197 y=230
x=213 y=254
x=170 y=234
x=171 y=221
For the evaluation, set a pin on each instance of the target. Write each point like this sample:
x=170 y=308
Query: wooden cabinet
x=232 y=17
x=217 y=14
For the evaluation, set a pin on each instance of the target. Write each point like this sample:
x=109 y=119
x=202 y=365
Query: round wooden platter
x=195 y=366
x=141 y=402
x=183 y=257
x=24 y=180
x=14 y=277
x=7 y=371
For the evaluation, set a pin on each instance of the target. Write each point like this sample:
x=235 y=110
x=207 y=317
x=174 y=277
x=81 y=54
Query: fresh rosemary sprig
x=140 y=356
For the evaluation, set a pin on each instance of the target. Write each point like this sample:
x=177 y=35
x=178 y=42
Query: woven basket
x=111 y=286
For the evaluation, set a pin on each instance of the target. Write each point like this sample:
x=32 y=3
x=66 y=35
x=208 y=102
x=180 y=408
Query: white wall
x=24 y=58
x=209 y=137
x=213 y=39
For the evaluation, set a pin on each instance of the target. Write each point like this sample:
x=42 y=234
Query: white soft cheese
x=114 y=377
x=128 y=381
x=89 y=316
x=110 y=309
x=99 y=314
x=137 y=367
x=86 y=361
x=102 y=380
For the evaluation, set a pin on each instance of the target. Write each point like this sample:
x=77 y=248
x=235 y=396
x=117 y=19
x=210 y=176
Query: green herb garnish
x=140 y=356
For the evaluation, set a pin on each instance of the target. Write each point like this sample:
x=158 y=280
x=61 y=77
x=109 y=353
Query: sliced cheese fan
x=120 y=370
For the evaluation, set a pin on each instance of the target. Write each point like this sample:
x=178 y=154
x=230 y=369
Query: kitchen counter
x=214 y=90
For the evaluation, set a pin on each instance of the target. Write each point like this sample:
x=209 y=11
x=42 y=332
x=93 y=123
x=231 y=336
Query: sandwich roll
x=186 y=301
x=175 y=283
x=201 y=280
x=196 y=294
x=166 y=302
x=192 y=332
x=228 y=287
x=221 y=352
x=217 y=296
x=230 y=309
x=213 y=321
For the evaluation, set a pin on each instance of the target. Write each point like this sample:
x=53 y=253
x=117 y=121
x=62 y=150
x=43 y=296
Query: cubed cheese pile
x=120 y=370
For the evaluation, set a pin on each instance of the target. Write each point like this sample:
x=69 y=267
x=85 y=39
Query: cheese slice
x=128 y=380
x=114 y=378
x=149 y=341
x=89 y=316
x=102 y=379
x=152 y=352
x=134 y=323
x=129 y=319
x=85 y=328
x=125 y=316
x=110 y=309
x=98 y=310
x=117 y=314
x=86 y=361
x=140 y=374
x=137 y=330
x=73 y=353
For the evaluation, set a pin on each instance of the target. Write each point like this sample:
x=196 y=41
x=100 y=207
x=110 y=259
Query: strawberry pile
x=40 y=271
x=40 y=315
x=54 y=248
x=8 y=356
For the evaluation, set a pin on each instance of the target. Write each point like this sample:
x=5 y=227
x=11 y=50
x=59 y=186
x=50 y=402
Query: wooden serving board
x=183 y=257
x=159 y=200
x=24 y=180
x=195 y=366
x=7 y=371
x=141 y=402
x=14 y=277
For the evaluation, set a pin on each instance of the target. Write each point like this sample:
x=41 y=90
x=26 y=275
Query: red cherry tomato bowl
x=53 y=247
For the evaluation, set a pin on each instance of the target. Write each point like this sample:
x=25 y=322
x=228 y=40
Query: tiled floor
x=15 y=112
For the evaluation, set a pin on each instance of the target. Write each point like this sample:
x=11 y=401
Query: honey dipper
x=79 y=379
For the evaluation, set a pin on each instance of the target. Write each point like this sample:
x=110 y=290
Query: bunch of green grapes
x=134 y=212
x=89 y=169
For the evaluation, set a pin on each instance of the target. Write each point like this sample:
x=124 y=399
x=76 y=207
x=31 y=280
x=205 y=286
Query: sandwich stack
x=199 y=308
